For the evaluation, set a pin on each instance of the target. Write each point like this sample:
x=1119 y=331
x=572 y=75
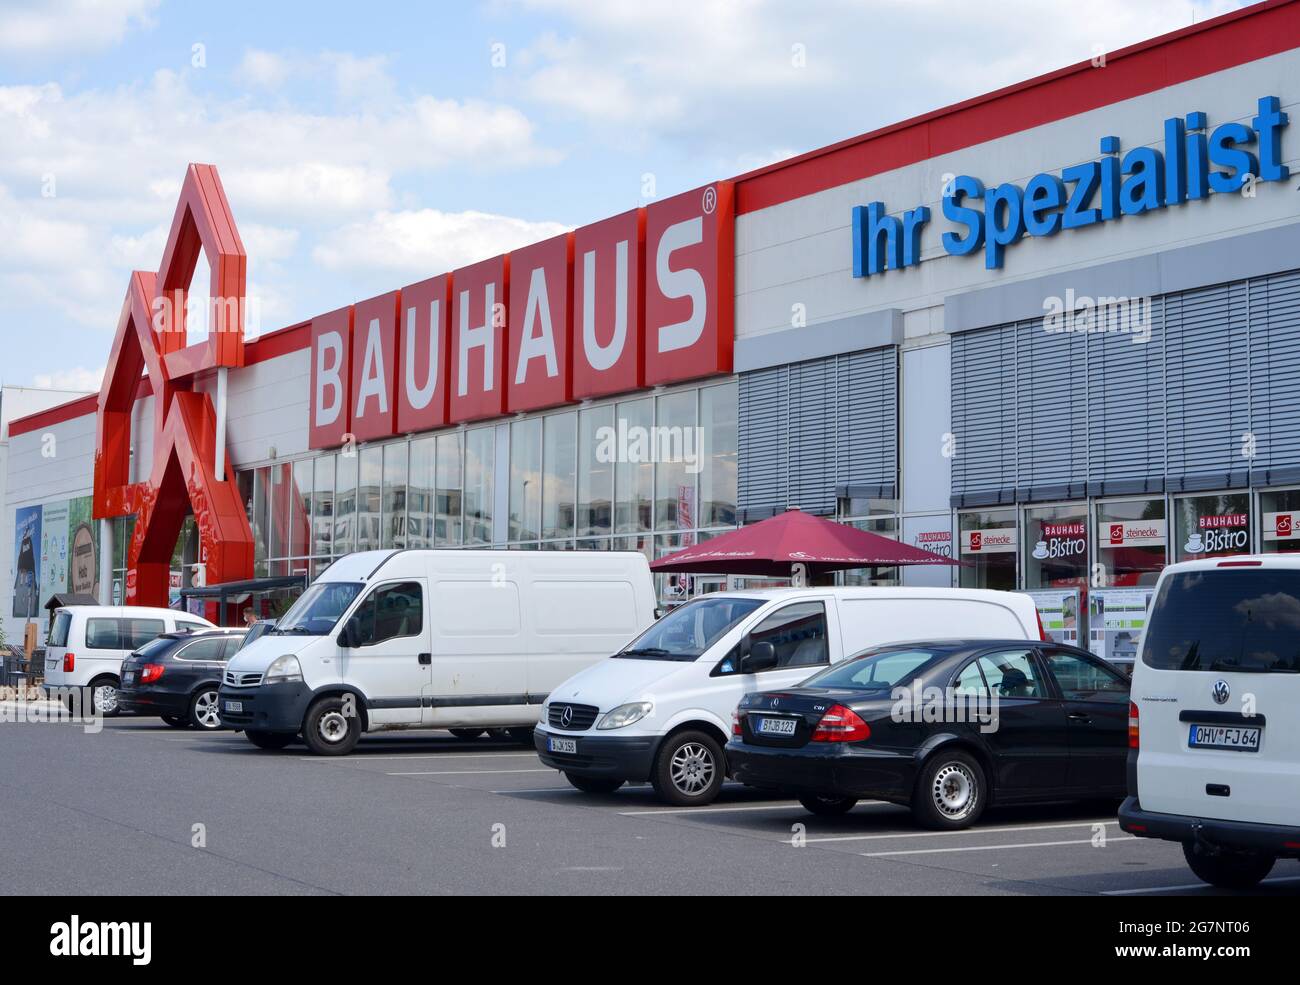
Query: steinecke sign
x=1193 y=164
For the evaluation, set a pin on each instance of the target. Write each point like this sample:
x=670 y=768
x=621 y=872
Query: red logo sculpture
x=150 y=343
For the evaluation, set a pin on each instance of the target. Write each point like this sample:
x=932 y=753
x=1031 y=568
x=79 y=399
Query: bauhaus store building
x=1054 y=330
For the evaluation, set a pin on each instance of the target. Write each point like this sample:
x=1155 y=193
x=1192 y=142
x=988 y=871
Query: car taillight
x=735 y=724
x=841 y=724
x=1042 y=633
x=69 y=661
x=1132 y=725
x=150 y=672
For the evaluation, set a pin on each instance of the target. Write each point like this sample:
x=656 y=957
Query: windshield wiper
x=292 y=631
x=645 y=651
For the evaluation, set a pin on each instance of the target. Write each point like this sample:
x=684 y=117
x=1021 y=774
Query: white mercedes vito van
x=660 y=709
x=1214 y=722
x=432 y=639
x=87 y=644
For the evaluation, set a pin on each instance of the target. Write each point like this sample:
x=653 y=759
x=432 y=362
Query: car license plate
x=235 y=706
x=562 y=745
x=1235 y=737
x=777 y=726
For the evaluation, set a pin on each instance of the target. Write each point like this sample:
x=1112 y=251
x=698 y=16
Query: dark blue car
x=176 y=676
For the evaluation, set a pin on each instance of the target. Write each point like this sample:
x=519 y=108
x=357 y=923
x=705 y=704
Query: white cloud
x=76 y=378
x=41 y=26
x=426 y=242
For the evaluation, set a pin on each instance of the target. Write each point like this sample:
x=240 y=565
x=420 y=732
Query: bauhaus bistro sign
x=640 y=299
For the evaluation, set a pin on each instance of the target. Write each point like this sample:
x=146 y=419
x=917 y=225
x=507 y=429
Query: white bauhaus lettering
x=329 y=377
x=534 y=343
x=602 y=357
x=419 y=396
x=681 y=284
x=480 y=336
x=373 y=375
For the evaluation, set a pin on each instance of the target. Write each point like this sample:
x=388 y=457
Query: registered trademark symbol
x=710 y=200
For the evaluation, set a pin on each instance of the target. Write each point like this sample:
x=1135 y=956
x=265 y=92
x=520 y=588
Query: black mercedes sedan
x=944 y=727
x=176 y=676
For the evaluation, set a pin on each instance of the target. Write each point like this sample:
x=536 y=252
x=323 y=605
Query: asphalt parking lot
x=141 y=808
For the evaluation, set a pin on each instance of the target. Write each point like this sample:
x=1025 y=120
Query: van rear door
x=1217 y=694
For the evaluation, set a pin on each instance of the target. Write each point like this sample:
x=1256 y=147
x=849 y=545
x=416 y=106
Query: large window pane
x=634 y=469
x=450 y=486
x=261 y=499
x=596 y=470
x=718 y=459
x=480 y=451
x=675 y=448
x=322 y=506
x=345 y=504
x=300 y=521
x=525 y=479
x=281 y=509
x=419 y=501
x=1131 y=540
x=559 y=458
x=988 y=546
x=395 y=494
x=369 y=486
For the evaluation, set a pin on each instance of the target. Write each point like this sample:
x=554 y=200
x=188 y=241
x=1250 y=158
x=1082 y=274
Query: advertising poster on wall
x=1116 y=618
x=54 y=551
x=27 y=562
x=83 y=549
x=1058 y=608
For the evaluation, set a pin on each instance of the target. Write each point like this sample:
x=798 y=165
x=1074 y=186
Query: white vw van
x=1214 y=718
x=660 y=710
x=464 y=640
x=87 y=644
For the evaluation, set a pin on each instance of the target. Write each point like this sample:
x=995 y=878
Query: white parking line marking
x=711 y=810
x=990 y=848
x=563 y=789
x=1189 y=885
x=433 y=755
x=461 y=772
x=964 y=831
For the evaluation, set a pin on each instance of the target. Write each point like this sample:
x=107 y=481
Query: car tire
x=176 y=721
x=689 y=769
x=951 y=792
x=203 y=710
x=523 y=735
x=101 y=697
x=268 y=740
x=593 y=784
x=1228 y=870
x=466 y=733
x=827 y=806
x=328 y=730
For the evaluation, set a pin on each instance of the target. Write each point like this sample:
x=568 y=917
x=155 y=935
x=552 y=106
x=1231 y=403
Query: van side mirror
x=761 y=656
x=349 y=635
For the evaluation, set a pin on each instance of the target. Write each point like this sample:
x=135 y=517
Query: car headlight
x=546 y=713
x=283 y=670
x=625 y=715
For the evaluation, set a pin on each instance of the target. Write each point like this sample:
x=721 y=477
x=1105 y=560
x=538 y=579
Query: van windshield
x=318 y=609
x=1240 y=620
x=689 y=630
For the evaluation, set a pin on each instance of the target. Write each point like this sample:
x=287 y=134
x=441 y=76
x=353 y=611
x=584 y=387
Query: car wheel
x=466 y=733
x=689 y=769
x=950 y=792
x=828 y=806
x=176 y=721
x=329 y=730
x=593 y=784
x=523 y=735
x=103 y=698
x=1228 y=870
x=203 y=711
x=268 y=740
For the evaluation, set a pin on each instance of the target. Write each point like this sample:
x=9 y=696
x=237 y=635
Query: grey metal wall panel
x=984 y=416
x=1051 y=411
x=1274 y=392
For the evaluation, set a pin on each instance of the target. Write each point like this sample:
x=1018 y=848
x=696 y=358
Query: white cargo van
x=660 y=710
x=463 y=640
x=87 y=644
x=1214 y=720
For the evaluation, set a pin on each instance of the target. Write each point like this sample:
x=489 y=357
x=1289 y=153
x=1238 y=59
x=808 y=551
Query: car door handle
x=426 y=659
x=1079 y=716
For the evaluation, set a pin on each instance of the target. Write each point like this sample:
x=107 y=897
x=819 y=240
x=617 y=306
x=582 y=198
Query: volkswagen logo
x=1221 y=691
x=566 y=716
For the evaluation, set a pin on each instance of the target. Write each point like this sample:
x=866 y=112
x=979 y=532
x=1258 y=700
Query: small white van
x=456 y=639
x=87 y=644
x=661 y=709
x=1214 y=718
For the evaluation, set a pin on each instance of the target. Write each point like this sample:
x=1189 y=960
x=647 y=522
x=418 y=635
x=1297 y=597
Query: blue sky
x=364 y=146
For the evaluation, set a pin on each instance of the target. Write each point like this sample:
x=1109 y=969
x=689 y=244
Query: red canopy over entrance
x=794 y=537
